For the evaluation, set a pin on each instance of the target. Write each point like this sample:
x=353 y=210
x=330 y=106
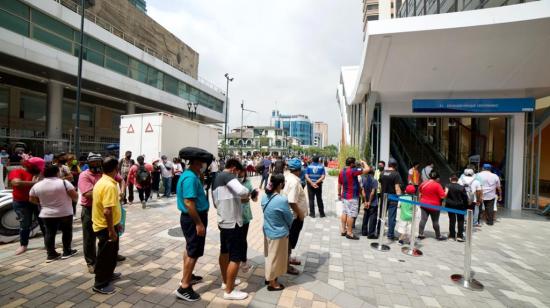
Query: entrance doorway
x=451 y=143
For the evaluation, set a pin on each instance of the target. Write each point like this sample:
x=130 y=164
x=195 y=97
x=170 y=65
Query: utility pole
x=226 y=111
x=242 y=119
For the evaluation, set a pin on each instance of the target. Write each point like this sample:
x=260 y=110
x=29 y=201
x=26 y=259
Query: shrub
x=333 y=172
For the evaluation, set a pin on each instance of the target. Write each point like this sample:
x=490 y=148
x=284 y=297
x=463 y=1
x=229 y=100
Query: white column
x=55 y=109
x=130 y=107
x=385 y=134
x=514 y=176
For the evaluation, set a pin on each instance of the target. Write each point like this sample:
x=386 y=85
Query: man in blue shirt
x=266 y=162
x=193 y=204
x=315 y=175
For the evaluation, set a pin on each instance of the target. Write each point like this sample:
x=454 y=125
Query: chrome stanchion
x=466 y=280
x=379 y=245
x=412 y=250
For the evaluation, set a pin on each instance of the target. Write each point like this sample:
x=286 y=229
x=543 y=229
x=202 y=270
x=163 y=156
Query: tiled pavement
x=510 y=259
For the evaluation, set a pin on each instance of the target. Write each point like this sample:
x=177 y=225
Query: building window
x=170 y=84
x=372 y=17
x=14 y=16
x=33 y=107
x=116 y=60
x=4 y=105
x=183 y=90
x=138 y=70
x=115 y=120
x=154 y=77
x=373 y=6
x=86 y=114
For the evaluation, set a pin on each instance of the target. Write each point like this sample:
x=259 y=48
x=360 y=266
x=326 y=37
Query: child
x=405 y=217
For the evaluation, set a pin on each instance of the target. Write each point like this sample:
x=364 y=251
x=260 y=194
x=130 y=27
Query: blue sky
x=283 y=54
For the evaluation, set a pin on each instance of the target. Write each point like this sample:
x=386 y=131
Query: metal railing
x=73 y=6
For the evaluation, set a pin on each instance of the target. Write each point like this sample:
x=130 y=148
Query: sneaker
x=20 y=250
x=53 y=258
x=70 y=254
x=120 y=258
x=401 y=243
x=461 y=239
x=116 y=276
x=237 y=282
x=441 y=238
x=372 y=237
x=108 y=289
x=195 y=279
x=421 y=237
x=235 y=295
x=143 y=204
x=187 y=294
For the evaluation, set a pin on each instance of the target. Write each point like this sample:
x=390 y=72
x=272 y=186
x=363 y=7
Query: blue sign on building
x=482 y=105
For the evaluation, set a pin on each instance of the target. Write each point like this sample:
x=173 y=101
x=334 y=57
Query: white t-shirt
x=471 y=184
x=489 y=183
x=214 y=167
x=166 y=169
x=295 y=193
x=425 y=174
x=54 y=199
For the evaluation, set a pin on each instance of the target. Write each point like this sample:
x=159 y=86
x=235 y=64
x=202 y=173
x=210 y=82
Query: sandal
x=279 y=288
x=292 y=271
x=295 y=261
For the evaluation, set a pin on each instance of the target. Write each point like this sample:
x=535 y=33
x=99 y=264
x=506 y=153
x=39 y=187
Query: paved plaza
x=510 y=259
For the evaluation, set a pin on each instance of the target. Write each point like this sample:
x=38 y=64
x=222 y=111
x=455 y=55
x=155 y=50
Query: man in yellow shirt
x=106 y=213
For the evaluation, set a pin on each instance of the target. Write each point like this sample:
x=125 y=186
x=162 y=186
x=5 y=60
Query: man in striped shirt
x=348 y=193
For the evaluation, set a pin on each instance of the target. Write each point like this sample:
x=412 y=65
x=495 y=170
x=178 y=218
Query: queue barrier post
x=466 y=280
x=379 y=245
x=412 y=250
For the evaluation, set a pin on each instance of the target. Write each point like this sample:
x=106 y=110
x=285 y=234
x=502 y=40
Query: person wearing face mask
x=227 y=194
x=124 y=166
x=86 y=183
x=22 y=180
x=193 y=205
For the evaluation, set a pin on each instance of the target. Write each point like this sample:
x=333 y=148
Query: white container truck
x=159 y=133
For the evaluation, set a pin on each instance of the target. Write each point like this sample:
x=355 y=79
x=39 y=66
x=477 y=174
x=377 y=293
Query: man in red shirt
x=431 y=192
x=22 y=181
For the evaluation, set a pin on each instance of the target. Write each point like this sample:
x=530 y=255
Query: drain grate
x=175 y=232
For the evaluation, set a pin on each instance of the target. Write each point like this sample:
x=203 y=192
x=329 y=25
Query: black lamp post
x=195 y=105
x=83 y=5
x=189 y=105
x=226 y=104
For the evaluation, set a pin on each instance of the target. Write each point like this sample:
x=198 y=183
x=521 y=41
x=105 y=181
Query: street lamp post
x=189 y=105
x=83 y=4
x=195 y=105
x=242 y=118
x=226 y=104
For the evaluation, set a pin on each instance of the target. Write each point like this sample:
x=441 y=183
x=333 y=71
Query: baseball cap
x=294 y=164
x=410 y=189
x=469 y=172
x=487 y=166
x=94 y=157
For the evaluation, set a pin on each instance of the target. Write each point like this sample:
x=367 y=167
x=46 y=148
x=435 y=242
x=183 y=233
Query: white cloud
x=284 y=53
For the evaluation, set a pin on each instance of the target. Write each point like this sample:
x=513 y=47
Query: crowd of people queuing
x=50 y=189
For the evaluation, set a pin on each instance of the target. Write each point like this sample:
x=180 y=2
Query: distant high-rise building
x=378 y=9
x=298 y=126
x=320 y=134
x=140 y=4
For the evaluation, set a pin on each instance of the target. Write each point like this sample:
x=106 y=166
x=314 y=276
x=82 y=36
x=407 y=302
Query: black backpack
x=143 y=176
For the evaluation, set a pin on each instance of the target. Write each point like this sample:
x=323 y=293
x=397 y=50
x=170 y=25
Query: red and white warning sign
x=130 y=129
x=149 y=128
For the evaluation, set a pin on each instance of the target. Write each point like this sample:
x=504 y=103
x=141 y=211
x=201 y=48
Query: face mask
x=380 y=168
x=241 y=179
x=129 y=156
x=96 y=169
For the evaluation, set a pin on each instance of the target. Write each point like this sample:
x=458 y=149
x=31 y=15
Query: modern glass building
x=122 y=74
x=489 y=104
x=298 y=126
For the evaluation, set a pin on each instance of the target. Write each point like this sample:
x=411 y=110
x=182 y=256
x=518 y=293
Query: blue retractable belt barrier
x=424 y=205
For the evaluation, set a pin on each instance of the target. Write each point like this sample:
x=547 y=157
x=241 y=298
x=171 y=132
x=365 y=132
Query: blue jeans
x=26 y=213
x=476 y=214
x=392 y=213
x=265 y=177
x=167 y=183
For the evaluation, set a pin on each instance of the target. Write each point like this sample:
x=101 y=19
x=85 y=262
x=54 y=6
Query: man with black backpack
x=474 y=192
x=140 y=177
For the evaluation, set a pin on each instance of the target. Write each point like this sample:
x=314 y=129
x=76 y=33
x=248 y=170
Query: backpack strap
x=268 y=201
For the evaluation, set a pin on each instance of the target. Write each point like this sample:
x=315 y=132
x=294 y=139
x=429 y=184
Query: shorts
x=404 y=227
x=194 y=244
x=350 y=207
x=233 y=242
